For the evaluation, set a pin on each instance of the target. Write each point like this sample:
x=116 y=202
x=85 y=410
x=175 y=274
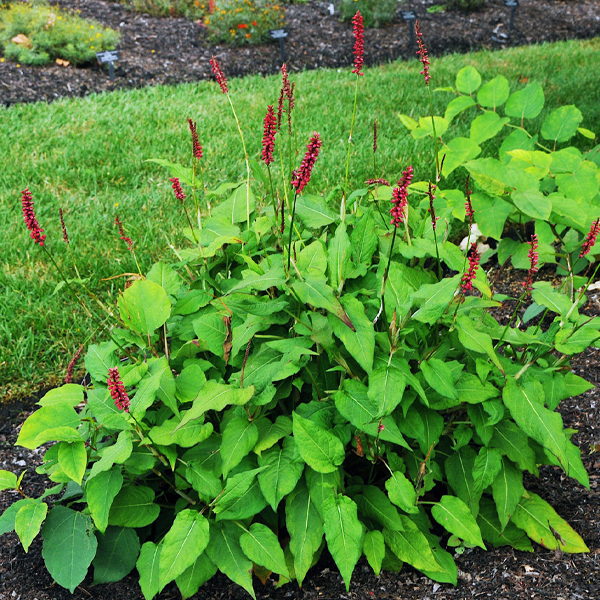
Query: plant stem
x=437 y=157
x=344 y=194
x=291 y=231
x=385 y=275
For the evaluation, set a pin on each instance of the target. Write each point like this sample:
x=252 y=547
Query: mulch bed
x=168 y=51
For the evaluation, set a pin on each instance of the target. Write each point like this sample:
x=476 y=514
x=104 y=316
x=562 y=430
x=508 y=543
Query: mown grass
x=87 y=156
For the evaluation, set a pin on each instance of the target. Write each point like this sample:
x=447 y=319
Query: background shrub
x=51 y=34
x=375 y=12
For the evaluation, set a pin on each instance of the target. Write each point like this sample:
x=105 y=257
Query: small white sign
x=331 y=8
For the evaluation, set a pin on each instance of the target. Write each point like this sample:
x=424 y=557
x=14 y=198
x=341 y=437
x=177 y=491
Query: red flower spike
x=591 y=238
x=533 y=261
x=374 y=136
x=196 y=147
x=221 y=79
x=126 y=239
x=117 y=389
x=268 y=142
x=422 y=52
x=359 y=43
x=400 y=198
x=177 y=189
x=301 y=176
x=467 y=278
x=431 y=207
x=71 y=365
x=469 y=212
x=291 y=104
x=64 y=227
x=377 y=182
x=35 y=231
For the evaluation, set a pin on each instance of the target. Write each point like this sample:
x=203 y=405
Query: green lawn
x=87 y=155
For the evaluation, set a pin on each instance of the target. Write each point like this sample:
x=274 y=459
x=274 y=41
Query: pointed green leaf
x=487 y=126
x=70 y=393
x=439 y=376
x=317 y=293
x=28 y=522
x=144 y=307
x=148 y=567
x=146 y=394
x=435 y=299
x=321 y=486
x=203 y=481
x=133 y=507
x=8 y=480
x=454 y=515
x=491 y=212
x=493 y=532
x=235 y=488
x=262 y=547
x=282 y=474
x=193 y=577
x=561 y=124
x=319 y=448
x=494 y=93
x=402 y=492
x=72 y=458
x=526 y=103
x=339 y=257
x=69 y=546
x=507 y=490
x=313 y=211
x=239 y=437
x=468 y=80
x=364 y=239
x=457 y=105
x=270 y=433
x=47 y=421
x=374 y=503
x=374 y=550
x=459 y=472
x=386 y=387
x=100 y=493
x=487 y=465
x=118 y=453
x=475 y=340
x=118 y=551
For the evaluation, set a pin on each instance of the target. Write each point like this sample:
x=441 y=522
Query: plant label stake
x=331 y=8
x=280 y=35
x=512 y=4
x=410 y=17
x=110 y=57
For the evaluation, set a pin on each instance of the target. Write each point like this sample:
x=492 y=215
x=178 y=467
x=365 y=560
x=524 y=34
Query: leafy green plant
x=302 y=379
x=39 y=33
x=535 y=182
x=191 y=9
x=242 y=22
x=467 y=5
x=375 y=12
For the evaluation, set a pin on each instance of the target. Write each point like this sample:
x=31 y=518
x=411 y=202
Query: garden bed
x=501 y=574
x=168 y=51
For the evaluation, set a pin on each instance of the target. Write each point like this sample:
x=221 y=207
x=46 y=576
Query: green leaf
x=533 y=203
x=313 y=211
x=282 y=474
x=374 y=503
x=561 y=124
x=235 y=208
x=386 y=386
x=133 y=507
x=8 y=480
x=344 y=534
x=455 y=516
x=545 y=295
x=239 y=437
x=374 y=550
x=411 y=546
x=28 y=522
x=339 y=252
x=492 y=213
x=182 y=545
x=165 y=276
x=224 y=550
x=526 y=103
x=144 y=307
x=70 y=393
x=487 y=126
x=118 y=551
x=305 y=526
x=475 y=340
x=99 y=358
x=72 y=459
x=494 y=93
x=457 y=105
x=576 y=385
x=187 y=436
x=235 y=488
x=69 y=546
x=355 y=405
x=313 y=259
x=425 y=127
x=439 y=376
x=191 y=302
x=507 y=490
x=118 y=453
x=408 y=122
x=49 y=423
x=586 y=133
x=535 y=516
x=148 y=565
x=317 y=293
x=7 y=519
x=468 y=80
x=364 y=239
x=459 y=472
x=495 y=534
x=270 y=433
x=513 y=442
x=436 y=298
x=193 y=577
x=203 y=481
x=581 y=185
x=262 y=547
x=402 y=492
x=100 y=493
x=184 y=174
x=322 y=450
x=471 y=390
x=487 y=465
x=321 y=486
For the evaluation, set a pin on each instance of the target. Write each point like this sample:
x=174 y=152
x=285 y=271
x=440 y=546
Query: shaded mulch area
x=500 y=574
x=174 y=50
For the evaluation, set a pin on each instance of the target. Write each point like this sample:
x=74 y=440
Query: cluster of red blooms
x=469 y=212
x=422 y=52
x=71 y=365
x=35 y=231
x=591 y=238
x=286 y=93
x=377 y=182
x=431 y=207
x=117 y=389
x=359 y=41
x=196 y=147
x=467 y=278
x=533 y=261
x=400 y=197
x=177 y=189
x=301 y=176
x=64 y=227
x=221 y=79
x=268 y=143
x=126 y=239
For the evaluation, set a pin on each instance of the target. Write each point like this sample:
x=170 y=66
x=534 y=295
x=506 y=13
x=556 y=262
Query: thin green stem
x=435 y=141
x=345 y=192
x=291 y=231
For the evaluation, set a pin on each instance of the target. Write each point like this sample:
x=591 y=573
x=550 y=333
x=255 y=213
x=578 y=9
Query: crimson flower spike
x=286 y=93
x=431 y=207
x=301 y=176
x=117 y=389
x=196 y=147
x=533 y=261
x=177 y=189
x=268 y=142
x=400 y=198
x=467 y=278
x=64 y=227
x=71 y=365
x=218 y=72
x=291 y=104
x=374 y=136
x=35 y=231
x=359 y=43
x=422 y=52
x=469 y=212
x=124 y=237
x=591 y=238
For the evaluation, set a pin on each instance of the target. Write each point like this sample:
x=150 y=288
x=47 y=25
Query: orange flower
x=248 y=35
x=242 y=26
x=255 y=23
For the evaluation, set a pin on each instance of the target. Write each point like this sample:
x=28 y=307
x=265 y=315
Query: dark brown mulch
x=167 y=51
x=501 y=574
